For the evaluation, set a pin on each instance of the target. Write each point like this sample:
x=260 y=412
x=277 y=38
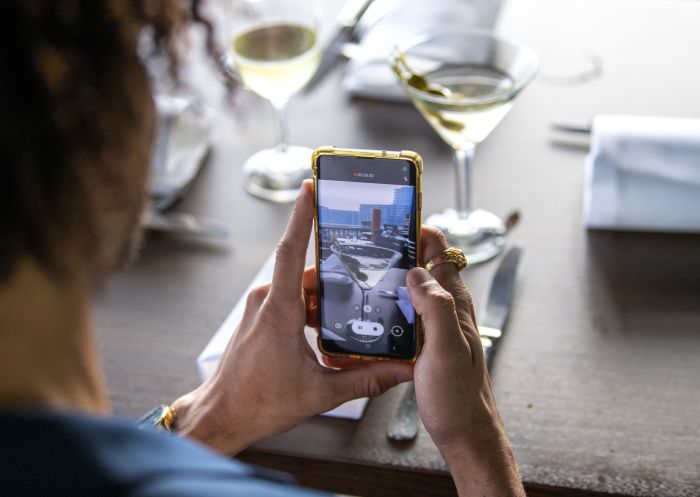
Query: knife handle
x=488 y=356
x=403 y=426
x=488 y=346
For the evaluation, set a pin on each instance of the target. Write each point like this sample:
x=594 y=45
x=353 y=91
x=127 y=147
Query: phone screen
x=367 y=233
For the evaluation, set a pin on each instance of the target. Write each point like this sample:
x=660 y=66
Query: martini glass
x=464 y=83
x=367 y=265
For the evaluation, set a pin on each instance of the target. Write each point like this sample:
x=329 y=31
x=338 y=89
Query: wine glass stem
x=281 y=115
x=463 y=160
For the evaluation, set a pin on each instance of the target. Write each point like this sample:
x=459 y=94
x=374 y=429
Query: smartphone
x=367 y=236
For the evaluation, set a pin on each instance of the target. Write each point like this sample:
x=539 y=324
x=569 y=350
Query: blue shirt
x=50 y=455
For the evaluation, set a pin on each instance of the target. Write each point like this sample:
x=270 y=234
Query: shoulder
x=50 y=454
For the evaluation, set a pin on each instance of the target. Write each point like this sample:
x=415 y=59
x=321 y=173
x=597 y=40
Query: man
x=77 y=123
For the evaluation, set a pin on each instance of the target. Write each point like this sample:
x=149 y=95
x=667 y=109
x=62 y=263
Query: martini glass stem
x=463 y=195
x=364 y=303
x=281 y=116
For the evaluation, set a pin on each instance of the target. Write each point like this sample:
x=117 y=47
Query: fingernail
x=418 y=276
x=303 y=188
x=404 y=376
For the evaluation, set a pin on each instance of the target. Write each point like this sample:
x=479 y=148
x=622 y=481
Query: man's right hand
x=453 y=391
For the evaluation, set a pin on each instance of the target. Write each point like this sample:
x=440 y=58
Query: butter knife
x=403 y=426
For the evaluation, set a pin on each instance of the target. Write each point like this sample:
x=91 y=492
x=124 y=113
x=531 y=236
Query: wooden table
x=597 y=379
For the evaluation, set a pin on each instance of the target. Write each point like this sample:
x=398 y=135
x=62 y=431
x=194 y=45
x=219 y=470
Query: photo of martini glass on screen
x=366 y=247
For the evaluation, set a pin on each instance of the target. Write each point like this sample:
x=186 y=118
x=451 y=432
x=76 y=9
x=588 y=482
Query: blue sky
x=348 y=195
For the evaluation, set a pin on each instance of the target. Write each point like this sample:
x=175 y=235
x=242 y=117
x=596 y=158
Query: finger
x=367 y=380
x=436 y=307
x=309 y=282
x=309 y=285
x=312 y=312
x=433 y=242
x=291 y=250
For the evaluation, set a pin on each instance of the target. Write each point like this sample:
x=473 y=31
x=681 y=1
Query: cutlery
x=403 y=426
x=574 y=134
x=346 y=35
x=573 y=126
x=498 y=303
x=185 y=224
x=374 y=13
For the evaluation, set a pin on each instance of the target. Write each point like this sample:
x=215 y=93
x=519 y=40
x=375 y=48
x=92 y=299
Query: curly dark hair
x=77 y=121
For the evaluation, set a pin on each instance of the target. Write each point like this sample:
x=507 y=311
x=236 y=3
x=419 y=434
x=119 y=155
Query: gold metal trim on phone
x=408 y=155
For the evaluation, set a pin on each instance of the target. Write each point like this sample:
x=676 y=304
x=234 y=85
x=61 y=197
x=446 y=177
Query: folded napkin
x=209 y=358
x=643 y=173
x=182 y=141
x=368 y=74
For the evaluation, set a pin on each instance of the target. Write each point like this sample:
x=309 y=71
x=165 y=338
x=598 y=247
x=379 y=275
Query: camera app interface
x=367 y=244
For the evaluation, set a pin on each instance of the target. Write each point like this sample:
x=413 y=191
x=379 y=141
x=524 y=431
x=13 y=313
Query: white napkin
x=368 y=74
x=182 y=141
x=643 y=173
x=209 y=358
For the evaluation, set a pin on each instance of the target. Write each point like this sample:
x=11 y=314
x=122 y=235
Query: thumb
x=369 y=379
x=436 y=307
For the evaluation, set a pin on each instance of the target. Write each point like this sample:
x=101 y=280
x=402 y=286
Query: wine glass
x=464 y=83
x=274 y=46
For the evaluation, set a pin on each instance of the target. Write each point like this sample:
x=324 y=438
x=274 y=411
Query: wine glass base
x=480 y=234
x=276 y=174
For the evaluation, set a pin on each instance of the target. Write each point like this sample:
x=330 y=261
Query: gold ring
x=451 y=254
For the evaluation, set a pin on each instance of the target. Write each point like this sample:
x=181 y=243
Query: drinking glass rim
x=430 y=97
x=374 y=246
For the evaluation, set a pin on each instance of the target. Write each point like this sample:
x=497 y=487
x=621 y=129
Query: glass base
x=480 y=234
x=276 y=174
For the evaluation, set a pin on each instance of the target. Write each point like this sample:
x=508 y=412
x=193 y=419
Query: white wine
x=277 y=60
x=463 y=124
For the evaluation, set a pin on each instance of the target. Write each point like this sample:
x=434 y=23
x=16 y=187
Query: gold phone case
x=381 y=154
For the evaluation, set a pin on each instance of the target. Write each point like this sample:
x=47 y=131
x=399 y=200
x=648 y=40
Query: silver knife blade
x=403 y=426
x=500 y=295
x=498 y=303
x=348 y=19
x=352 y=12
x=374 y=13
